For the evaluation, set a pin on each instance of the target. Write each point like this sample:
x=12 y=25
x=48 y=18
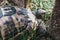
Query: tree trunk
x=21 y=3
x=55 y=22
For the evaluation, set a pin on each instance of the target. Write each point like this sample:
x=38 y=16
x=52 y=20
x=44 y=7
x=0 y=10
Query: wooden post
x=26 y=4
x=55 y=22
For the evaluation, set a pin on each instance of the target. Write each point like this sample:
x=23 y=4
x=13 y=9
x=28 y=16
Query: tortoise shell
x=12 y=19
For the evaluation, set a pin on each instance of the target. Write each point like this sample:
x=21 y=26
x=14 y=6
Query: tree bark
x=21 y=3
x=55 y=22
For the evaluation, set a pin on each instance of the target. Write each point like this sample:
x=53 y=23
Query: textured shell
x=12 y=18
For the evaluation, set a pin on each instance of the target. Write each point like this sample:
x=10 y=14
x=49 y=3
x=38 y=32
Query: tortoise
x=13 y=18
